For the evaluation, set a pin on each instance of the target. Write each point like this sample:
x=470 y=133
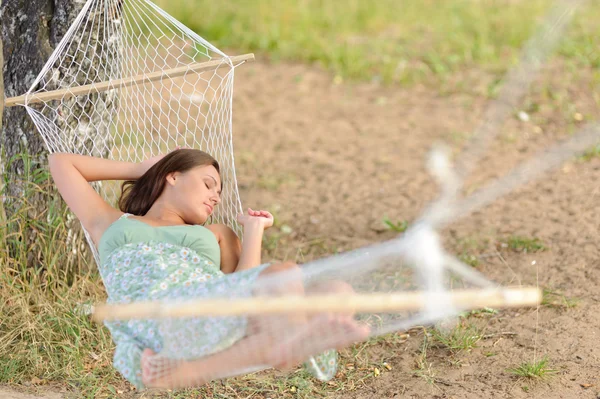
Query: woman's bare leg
x=250 y=352
x=297 y=336
x=159 y=372
x=280 y=341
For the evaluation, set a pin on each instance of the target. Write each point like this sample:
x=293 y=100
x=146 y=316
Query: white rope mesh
x=120 y=41
x=114 y=40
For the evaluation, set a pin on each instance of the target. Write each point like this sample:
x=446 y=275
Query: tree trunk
x=30 y=31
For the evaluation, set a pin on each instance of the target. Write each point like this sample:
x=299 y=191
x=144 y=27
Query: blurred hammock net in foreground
x=128 y=81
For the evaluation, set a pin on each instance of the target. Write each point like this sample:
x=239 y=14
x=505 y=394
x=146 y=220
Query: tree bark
x=30 y=31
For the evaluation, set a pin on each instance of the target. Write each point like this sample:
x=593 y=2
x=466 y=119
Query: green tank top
x=126 y=230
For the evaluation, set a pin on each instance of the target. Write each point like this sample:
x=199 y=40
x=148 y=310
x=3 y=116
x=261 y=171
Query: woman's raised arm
x=72 y=174
x=255 y=223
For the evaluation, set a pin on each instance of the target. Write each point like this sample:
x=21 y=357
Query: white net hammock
x=128 y=81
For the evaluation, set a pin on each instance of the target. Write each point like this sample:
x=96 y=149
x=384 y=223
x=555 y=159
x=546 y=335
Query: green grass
x=42 y=280
x=555 y=299
x=424 y=369
x=398 y=227
x=470 y=248
x=590 y=154
x=536 y=369
x=385 y=40
x=463 y=337
x=469 y=259
x=526 y=244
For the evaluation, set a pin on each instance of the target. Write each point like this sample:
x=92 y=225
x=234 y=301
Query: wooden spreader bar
x=126 y=82
x=355 y=303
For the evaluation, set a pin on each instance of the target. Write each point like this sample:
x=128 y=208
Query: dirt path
x=341 y=157
x=332 y=160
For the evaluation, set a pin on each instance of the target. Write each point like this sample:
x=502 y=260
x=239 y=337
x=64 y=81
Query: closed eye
x=213 y=183
x=208 y=187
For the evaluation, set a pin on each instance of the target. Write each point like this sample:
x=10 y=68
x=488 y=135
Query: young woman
x=156 y=248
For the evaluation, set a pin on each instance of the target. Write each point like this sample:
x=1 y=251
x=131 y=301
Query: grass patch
x=469 y=250
x=469 y=259
x=424 y=369
x=536 y=369
x=590 y=154
x=385 y=40
x=526 y=244
x=398 y=227
x=463 y=337
x=46 y=273
x=554 y=299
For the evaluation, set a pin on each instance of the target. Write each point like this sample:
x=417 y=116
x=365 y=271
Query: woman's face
x=196 y=193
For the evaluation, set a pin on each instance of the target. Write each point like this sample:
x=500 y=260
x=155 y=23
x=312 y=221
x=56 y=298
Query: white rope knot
x=428 y=258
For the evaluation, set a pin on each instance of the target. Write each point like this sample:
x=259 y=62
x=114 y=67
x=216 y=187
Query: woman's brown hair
x=138 y=196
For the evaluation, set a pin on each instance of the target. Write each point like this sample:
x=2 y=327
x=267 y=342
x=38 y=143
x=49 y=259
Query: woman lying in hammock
x=155 y=248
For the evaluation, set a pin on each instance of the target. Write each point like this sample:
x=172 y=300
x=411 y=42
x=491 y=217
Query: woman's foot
x=157 y=371
x=321 y=333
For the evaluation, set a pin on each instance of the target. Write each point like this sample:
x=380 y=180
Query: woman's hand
x=261 y=218
x=255 y=223
x=144 y=166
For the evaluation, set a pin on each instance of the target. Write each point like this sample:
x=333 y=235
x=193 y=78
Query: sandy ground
x=332 y=160
x=350 y=154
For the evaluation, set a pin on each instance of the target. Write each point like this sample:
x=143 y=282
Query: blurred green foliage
x=385 y=40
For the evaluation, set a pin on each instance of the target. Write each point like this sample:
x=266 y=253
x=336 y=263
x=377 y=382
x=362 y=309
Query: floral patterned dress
x=140 y=262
